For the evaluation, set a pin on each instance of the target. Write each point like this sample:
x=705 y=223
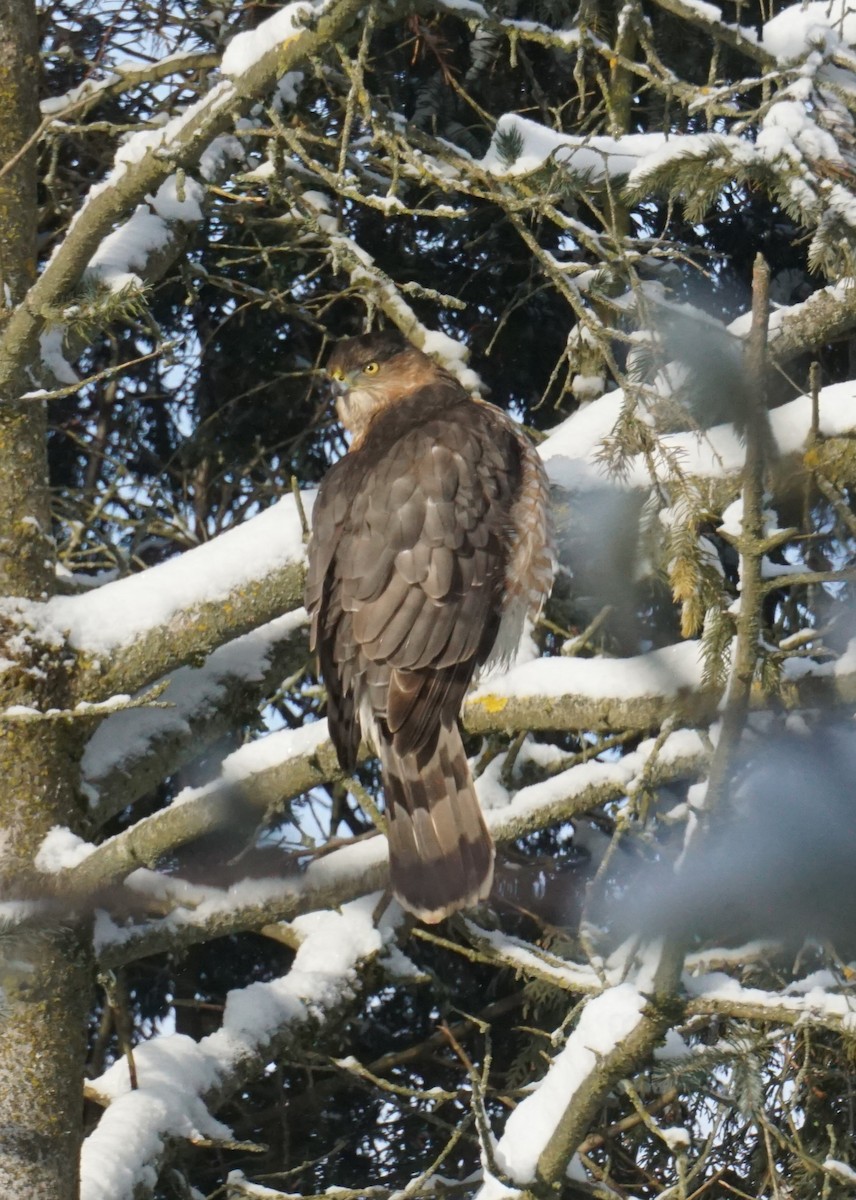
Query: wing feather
x=407 y=563
x=438 y=579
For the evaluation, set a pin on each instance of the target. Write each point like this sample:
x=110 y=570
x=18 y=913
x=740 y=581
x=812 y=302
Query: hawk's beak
x=334 y=388
x=340 y=383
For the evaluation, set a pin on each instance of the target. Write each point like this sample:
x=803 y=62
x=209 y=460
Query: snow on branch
x=821 y=998
x=641 y=692
x=247 y=49
x=827 y=315
x=793 y=156
x=520 y=146
x=124 y=77
x=125 y=757
x=556 y=693
x=143 y=166
x=804 y=29
x=617 y=1031
x=477 y=15
x=708 y=17
x=268 y=771
x=181 y=1081
x=366 y=275
x=149 y=232
x=571 y=450
x=199 y=913
x=594 y=693
x=536 y=963
x=134 y=630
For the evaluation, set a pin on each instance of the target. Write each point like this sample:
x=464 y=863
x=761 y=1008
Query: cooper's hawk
x=429 y=548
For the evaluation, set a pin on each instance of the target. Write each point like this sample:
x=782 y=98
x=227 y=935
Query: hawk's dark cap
x=378 y=347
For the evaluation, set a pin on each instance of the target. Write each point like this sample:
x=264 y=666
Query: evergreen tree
x=632 y=227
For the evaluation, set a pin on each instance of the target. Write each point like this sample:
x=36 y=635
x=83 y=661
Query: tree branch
x=341 y=875
x=133 y=631
x=124 y=759
x=181 y=1081
x=709 y=994
x=736 y=36
x=751 y=544
x=828 y=315
x=181 y=144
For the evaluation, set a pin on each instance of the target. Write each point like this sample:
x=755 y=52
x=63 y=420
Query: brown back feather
x=413 y=533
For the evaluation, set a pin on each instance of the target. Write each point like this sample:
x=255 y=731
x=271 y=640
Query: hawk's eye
x=371 y=368
x=337 y=374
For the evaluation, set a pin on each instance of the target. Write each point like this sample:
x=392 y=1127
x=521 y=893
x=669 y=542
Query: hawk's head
x=376 y=370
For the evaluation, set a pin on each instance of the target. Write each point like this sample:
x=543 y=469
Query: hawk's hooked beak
x=338 y=383
x=342 y=390
x=333 y=389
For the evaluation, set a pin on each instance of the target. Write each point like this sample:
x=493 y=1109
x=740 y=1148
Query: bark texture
x=44 y=984
x=23 y=479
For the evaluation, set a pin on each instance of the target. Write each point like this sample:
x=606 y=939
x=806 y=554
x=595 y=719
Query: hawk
x=429 y=548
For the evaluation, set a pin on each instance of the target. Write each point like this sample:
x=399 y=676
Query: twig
x=833 y=495
x=751 y=544
x=352 y=1067
x=595 y=1140
x=478 y=1105
x=574 y=645
x=108 y=373
x=301 y=511
x=366 y=803
x=86 y=710
x=807 y=578
x=114 y=994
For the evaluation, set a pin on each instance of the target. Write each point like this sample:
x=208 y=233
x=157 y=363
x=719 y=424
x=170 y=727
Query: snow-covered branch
x=252 y=66
x=264 y=773
x=828 y=315
x=708 y=18
x=199 y=913
x=125 y=757
x=132 y=631
x=571 y=450
x=593 y=159
x=558 y=693
x=616 y=1033
x=123 y=78
x=181 y=1082
x=365 y=274
x=527 y=31
x=637 y=693
x=821 y=998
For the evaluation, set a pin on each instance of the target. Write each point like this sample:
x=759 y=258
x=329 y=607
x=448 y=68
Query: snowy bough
x=204 y=992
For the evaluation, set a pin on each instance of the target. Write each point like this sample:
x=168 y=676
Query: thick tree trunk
x=44 y=976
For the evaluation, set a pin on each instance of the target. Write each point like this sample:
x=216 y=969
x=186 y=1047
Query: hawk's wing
x=411 y=539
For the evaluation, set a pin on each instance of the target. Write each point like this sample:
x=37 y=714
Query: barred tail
x=440 y=851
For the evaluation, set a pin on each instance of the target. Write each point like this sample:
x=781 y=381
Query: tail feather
x=441 y=853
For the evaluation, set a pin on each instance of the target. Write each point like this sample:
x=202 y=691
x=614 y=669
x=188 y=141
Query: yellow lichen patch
x=492 y=704
x=833 y=457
